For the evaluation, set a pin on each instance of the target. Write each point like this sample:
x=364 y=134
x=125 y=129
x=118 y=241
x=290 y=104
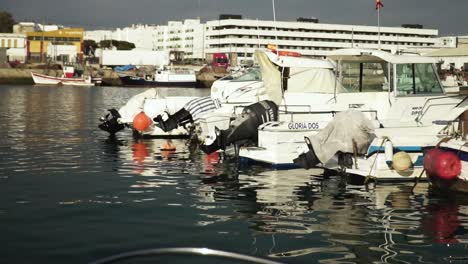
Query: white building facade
x=183 y=39
x=243 y=36
x=8 y=40
x=192 y=40
x=15 y=45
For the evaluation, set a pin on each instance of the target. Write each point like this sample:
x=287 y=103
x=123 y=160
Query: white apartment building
x=243 y=36
x=183 y=39
x=143 y=36
x=98 y=35
x=191 y=39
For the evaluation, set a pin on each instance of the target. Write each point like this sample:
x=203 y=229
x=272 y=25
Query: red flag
x=378 y=4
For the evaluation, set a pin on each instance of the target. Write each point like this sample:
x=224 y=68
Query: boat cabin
x=400 y=88
x=377 y=71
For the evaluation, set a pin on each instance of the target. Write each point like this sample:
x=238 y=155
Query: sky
x=448 y=16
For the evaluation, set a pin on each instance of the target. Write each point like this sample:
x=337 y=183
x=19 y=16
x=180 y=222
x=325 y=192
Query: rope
x=369 y=176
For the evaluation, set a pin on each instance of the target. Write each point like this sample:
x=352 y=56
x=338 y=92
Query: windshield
x=251 y=74
x=363 y=77
x=417 y=79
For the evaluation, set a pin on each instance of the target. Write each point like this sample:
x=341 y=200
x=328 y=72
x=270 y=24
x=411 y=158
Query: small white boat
x=67 y=78
x=166 y=77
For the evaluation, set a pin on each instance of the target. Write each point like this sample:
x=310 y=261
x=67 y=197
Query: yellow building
x=37 y=42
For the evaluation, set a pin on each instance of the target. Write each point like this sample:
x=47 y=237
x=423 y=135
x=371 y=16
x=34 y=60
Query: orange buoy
x=168 y=146
x=141 y=122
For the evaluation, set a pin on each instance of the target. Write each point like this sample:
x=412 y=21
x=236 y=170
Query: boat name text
x=303 y=125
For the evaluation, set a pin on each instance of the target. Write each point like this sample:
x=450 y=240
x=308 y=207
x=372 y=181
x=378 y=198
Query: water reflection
x=297 y=215
x=388 y=223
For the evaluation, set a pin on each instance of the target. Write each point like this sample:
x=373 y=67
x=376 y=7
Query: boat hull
x=138 y=81
x=51 y=80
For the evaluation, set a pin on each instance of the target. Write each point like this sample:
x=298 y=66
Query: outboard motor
x=190 y=113
x=110 y=122
x=179 y=118
x=309 y=159
x=245 y=127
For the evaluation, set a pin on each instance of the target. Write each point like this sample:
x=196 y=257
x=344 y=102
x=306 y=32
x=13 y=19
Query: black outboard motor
x=179 y=118
x=110 y=122
x=245 y=127
x=309 y=159
x=188 y=114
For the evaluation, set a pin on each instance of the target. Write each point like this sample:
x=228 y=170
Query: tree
x=124 y=45
x=120 y=45
x=89 y=46
x=6 y=22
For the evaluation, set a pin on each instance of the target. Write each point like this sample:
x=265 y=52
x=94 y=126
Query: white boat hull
x=51 y=80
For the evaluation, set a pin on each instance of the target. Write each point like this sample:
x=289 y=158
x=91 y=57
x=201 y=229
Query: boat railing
x=294 y=114
x=426 y=105
x=308 y=111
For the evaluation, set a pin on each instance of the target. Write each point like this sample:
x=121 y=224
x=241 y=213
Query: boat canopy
x=296 y=75
x=368 y=55
x=298 y=62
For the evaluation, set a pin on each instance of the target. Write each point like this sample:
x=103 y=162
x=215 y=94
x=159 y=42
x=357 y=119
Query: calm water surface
x=71 y=194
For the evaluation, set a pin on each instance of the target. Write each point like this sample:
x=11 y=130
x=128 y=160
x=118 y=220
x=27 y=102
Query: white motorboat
x=173 y=114
x=287 y=81
x=68 y=78
x=231 y=92
x=396 y=91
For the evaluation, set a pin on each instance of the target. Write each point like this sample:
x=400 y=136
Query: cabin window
x=364 y=77
x=415 y=79
x=251 y=75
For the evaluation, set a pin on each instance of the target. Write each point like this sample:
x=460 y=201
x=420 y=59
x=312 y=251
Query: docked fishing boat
x=162 y=78
x=401 y=94
x=68 y=78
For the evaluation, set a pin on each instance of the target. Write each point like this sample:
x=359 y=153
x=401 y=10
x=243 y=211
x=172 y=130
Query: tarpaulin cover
x=339 y=134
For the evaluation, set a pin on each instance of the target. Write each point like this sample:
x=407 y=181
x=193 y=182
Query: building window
x=3 y=43
x=15 y=43
x=9 y=43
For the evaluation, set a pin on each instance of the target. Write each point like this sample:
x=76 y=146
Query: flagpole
x=276 y=30
x=378 y=24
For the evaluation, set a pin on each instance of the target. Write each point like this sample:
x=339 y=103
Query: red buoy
x=443 y=164
x=141 y=122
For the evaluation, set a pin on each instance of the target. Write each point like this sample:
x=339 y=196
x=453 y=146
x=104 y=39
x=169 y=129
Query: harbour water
x=71 y=194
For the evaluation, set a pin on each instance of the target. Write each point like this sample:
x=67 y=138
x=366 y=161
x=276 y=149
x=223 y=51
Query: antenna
x=199 y=11
x=276 y=30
